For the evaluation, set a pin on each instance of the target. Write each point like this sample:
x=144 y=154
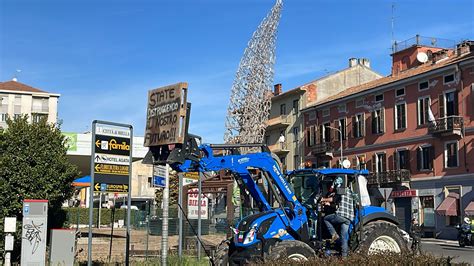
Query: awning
x=449 y=206
x=470 y=209
x=84 y=181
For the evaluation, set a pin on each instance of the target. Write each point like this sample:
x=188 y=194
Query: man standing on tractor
x=343 y=216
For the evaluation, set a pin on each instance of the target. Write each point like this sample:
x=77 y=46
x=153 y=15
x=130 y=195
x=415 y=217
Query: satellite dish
x=346 y=164
x=422 y=57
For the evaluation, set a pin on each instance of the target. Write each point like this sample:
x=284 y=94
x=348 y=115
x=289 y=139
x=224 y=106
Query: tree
x=33 y=165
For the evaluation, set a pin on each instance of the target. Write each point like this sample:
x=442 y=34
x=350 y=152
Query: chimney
x=352 y=62
x=365 y=62
x=464 y=47
x=277 y=89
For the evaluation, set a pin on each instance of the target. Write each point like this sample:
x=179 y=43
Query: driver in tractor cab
x=343 y=215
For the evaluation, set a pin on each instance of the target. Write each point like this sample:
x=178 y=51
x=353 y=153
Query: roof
x=301 y=88
x=391 y=79
x=18 y=86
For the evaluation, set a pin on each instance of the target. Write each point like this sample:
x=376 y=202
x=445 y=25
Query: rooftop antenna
x=15 y=77
x=393 y=24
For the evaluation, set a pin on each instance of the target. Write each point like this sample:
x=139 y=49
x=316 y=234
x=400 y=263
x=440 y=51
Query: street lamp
x=340 y=138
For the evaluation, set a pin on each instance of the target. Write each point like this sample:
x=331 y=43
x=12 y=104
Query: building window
x=451 y=158
x=282 y=109
x=423 y=86
x=427 y=214
x=3 y=117
x=423 y=107
x=310 y=136
x=296 y=161
x=378 y=121
x=325 y=133
x=448 y=78
x=326 y=112
x=379 y=97
x=296 y=134
x=296 y=107
x=36 y=118
x=424 y=158
x=360 y=102
x=448 y=104
x=312 y=116
x=379 y=162
x=358 y=126
x=400 y=116
x=341 y=108
x=400 y=92
x=341 y=125
x=402 y=159
x=40 y=105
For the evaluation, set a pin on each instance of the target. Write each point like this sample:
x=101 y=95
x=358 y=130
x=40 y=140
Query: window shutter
x=396 y=160
x=456 y=107
x=354 y=127
x=307 y=136
x=318 y=134
x=384 y=163
x=418 y=159
x=441 y=105
x=362 y=126
x=374 y=123
x=430 y=160
x=406 y=164
x=374 y=163
x=382 y=120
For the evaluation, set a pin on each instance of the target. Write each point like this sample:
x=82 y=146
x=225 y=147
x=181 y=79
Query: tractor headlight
x=250 y=236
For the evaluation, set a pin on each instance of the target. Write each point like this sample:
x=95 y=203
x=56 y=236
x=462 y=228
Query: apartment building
x=413 y=130
x=284 y=128
x=19 y=99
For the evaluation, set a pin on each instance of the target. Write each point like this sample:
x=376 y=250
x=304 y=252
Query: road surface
x=439 y=247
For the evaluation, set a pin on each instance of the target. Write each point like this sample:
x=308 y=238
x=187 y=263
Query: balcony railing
x=451 y=125
x=390 y=177
x=281 y=121
x=321 y=148
x=279 y=148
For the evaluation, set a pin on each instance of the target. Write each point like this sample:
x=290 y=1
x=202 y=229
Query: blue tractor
x=288 y=223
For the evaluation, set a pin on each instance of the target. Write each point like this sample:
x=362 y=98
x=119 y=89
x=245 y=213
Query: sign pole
x=127 y=248
x=199 y=214
x=180 y=216
x=164 y=229
x=91 y=198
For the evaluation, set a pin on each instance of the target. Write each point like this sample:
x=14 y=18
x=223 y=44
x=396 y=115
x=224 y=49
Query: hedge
x=81 y=216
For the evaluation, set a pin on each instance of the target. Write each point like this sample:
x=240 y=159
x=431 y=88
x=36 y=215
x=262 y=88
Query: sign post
x=111 y=169
x=9 y=227
x=166 y=125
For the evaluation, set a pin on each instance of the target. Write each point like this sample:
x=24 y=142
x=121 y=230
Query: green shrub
x=81 y=216
x=375 y=259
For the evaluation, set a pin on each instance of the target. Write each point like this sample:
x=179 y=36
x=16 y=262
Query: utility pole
x=164 y=228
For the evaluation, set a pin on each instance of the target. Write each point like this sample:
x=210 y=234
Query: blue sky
x=103 y=56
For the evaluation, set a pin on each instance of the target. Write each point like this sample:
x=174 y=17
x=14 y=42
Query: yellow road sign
x=111 y=169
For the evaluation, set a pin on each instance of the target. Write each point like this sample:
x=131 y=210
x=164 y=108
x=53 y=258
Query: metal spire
x=250 y=99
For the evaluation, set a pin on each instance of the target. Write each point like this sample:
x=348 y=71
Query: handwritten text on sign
x=166 y=115
x=193 y=201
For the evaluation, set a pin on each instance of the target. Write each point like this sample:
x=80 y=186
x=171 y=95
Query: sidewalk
x=438 y=241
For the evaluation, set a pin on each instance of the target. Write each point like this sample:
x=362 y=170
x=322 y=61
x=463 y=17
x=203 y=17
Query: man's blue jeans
x=334 y=219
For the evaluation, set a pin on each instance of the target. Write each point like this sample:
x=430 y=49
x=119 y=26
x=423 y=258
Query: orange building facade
x=413 y=130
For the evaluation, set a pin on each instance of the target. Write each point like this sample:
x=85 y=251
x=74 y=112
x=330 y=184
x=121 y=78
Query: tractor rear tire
x=382 y=237
x=290 y=250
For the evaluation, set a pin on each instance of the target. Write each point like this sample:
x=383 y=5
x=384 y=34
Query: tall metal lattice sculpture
x=250 y=100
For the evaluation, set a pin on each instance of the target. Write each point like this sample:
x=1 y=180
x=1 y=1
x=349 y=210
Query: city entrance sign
x=111 y=169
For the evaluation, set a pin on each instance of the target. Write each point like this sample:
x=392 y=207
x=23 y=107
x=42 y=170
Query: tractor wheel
x=382 y=237
x=290 y=249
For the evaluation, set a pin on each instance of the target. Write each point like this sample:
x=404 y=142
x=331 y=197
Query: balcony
x=279 y=148
x=389 y=178
x=281 y=121
x=447 y=126
x=322 y=148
